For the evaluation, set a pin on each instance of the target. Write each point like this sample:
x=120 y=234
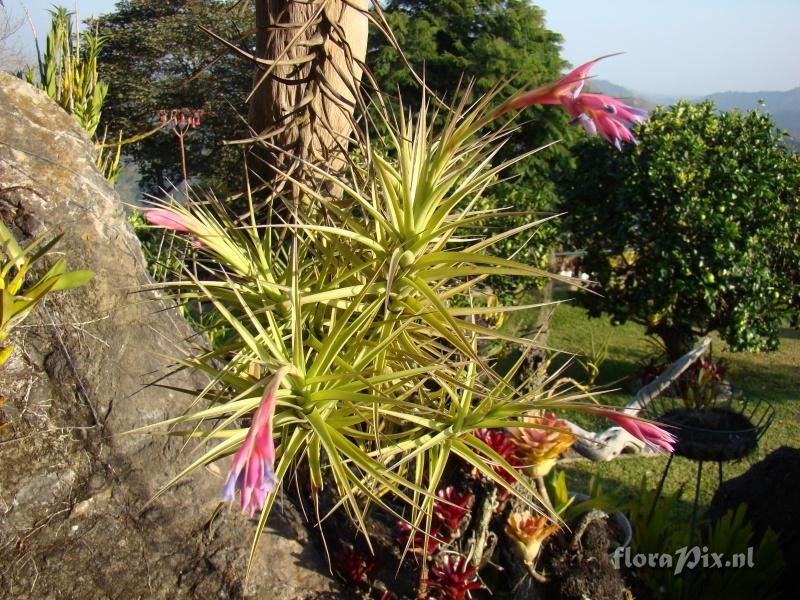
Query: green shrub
x=693 y=230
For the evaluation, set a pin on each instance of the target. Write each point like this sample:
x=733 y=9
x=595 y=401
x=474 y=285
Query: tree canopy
x=156 y=58
x=693 y=230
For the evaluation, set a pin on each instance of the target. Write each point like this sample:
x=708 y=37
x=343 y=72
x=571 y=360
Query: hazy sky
x=38 y=11
x=684 y=47
x=675 y=47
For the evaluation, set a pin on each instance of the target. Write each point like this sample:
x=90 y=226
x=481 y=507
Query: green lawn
x=774 y=377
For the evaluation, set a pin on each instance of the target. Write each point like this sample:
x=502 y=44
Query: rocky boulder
x=72 y=486
x=769 y=489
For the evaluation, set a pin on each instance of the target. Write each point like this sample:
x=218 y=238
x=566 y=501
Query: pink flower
x=162 y=217
x=647 y=432
x=252 y=471
x=595 y=112
x=605 y=115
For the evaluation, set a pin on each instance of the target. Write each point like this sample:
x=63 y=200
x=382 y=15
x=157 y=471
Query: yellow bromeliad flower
x=528 y=532
x=538 y=448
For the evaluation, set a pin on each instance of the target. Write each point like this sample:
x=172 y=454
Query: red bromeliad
x=452 y=507
x=353 y=566
x=454 y=579
x=500 y=441
x=435 y=539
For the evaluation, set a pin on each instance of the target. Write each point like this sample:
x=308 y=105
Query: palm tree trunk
x=303 y=101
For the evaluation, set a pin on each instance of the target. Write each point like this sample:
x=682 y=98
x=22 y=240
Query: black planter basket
x=726 y=430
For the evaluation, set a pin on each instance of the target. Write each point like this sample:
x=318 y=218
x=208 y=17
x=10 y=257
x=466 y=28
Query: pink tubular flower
x=605 y=115
x=252 y=471
x=597 y=113
x=647 y=432
x=162 y=217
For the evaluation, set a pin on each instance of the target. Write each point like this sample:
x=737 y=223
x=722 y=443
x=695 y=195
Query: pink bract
x=597 y=113
x=647 y=432
x=162 y=217
x=252 y=471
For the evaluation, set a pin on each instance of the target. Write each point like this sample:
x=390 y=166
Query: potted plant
x=709 y=422
x=569 y=561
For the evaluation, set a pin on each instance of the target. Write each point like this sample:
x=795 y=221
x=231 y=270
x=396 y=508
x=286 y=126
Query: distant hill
x=783 y=106
x=601 y=86
x=634 y=98
x=775 y=102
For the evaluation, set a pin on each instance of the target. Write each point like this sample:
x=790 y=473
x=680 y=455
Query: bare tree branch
x=11 y=56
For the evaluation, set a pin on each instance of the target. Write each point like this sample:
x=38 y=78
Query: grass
x=773 y=377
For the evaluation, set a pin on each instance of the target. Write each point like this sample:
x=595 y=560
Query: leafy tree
x=490 y=41
x=693 y=230
x=156 y=58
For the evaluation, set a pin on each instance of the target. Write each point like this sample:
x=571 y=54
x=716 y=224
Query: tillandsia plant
x=350 y=355
x=21 y=297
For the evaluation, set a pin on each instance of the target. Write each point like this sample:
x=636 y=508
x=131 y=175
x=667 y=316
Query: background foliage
x=488 y=40
x=155 y=57
x=68 y=74
x=693 y=230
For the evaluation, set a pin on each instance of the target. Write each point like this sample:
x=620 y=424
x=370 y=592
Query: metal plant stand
x=725 y=431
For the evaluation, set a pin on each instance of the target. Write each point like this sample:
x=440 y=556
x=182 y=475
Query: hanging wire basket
x=726 y=430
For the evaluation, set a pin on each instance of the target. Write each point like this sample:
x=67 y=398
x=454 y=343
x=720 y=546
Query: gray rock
x=71 y=486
